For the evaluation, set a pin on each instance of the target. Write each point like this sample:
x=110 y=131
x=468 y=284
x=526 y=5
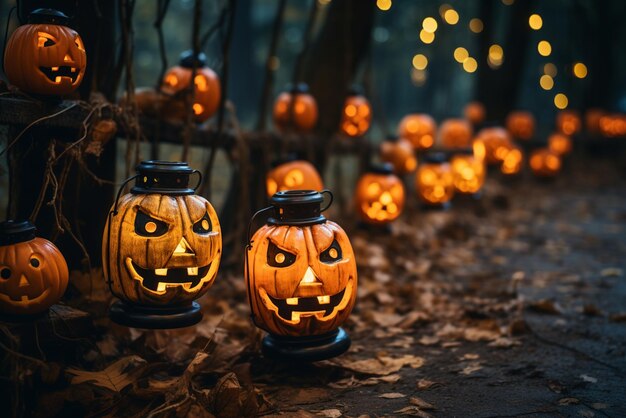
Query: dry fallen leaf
x=569 y=401
x=612 y=272
x=382 y=365
x=413 y=411
x=330 y=413
x=471 y=368
x=392 y=395
x=420 y=403
x=546 y=306
x=425 y=384
x=116 y=377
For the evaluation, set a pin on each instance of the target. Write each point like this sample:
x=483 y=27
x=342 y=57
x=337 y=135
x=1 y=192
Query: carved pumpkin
x=33 y=272
x=568 y=122
x=356 y=115
x=299 y=114
x=379 y=196
x=293 y=175
x=207 y=91
x=163 y=244
x=44 y=56
x=474 y=112
x=512 y=161
x=521 y=124
x=301 y=273
x=434 y=181
x=398 y=152
x=496 y=142
x=455 y=133
x=468 y=172
x=545 y=163
x=419 y=129
x=560 y=144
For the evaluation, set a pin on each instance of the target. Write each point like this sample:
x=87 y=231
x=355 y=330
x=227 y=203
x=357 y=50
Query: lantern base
x=154 y=317
x=306 y=348
x=376 y=229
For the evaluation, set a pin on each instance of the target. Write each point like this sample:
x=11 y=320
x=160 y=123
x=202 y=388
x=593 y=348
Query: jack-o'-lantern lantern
x=176 y=83
x=434 y=181
x=301 y=278
x=512 y=162
x=474 y=112
x=419 y=129
x=496 y=142
x=161 y=248
x=592 y=120
x=560 y=144
x=544 y=163
x=33 y=272
x=613 y=125
x=356 y=115
x=45 y=56
x=399 y=153
x=455 y=133
x=293 y=175
x=295 y=109
x=521 y=124
x=468 y=171
x=568 y=122
x=379 y=196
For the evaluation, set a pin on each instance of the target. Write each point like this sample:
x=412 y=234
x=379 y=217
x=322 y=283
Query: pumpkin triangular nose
x=23 y=281
x=67 y=58
x=183 y=247
x=309 y=278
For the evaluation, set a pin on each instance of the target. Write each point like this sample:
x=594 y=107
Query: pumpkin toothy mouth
x=158 y=280
x=24 y=299
x=56 y=74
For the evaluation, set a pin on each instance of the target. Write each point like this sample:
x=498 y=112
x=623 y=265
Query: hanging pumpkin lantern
x=513 y=161
x=521 y=124
x=474 y=112
x=496 y=143
x=455 y=133
x=293 y=175
x=419 y=129
x=33 y=272
x=379 y=196
x=161 y=248
x=592 y=120
x=560 y=144
x=568 y=122
x=468 y=171
x=299 y=114
x=45 y=56
x=301 y=278
x=545 y=163
x=176 y=83
x=356 y=115
x=398 y=152
x=434 y=181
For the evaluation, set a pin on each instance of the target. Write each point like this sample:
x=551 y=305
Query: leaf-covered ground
x=511 y=306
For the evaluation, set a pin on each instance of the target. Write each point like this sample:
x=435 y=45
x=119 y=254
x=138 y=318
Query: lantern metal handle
x=199 y=179
x=329 y=193
x=119 y=192
x=257 y=213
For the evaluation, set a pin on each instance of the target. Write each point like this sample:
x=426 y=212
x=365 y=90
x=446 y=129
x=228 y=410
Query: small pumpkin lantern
x=434 y=181
x=293 y=175
x=356 y=115
x=45 y=56
x=521 y=124
x=455 y=133
x=568 y=122
x=468 y=171
x=161 y=248
x=301 y=278
x=33 y=272
x=513 y=161
x=206 y=94
x=475 y=113
x=379 y=196
x=496 y=142
x=419 y=129
x=545 y=163
x=399 y=153
x=560 y=144
x=295 y=109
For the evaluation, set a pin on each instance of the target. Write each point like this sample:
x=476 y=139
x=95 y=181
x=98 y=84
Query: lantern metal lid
x=163 y=177
x=435 y=158
x=188 y=59
x=298 y=207
x=13 y=232
x=50 y=16
x=381 y=168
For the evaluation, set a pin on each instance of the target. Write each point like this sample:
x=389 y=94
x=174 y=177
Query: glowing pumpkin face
x=468 y=173
x=560 y=144
x=544 y=163
x=455 y=133
x=302 y=279
x=33 y=275
x=400 y=154
x=568 y=122
x=379 y=198
x=496 y=142
x=299 y=114
x=356 y=116
x=44 y=58
x=521 y=124
x=435 y=183
x=613 y=125
x=512 y=162
x=293 y=175
x=419 y=129
x=474 y=112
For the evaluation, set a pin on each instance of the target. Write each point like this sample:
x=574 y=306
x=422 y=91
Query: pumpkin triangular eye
x=147 y=226
x=45 y=40
x=277 y=257
x=331 y=254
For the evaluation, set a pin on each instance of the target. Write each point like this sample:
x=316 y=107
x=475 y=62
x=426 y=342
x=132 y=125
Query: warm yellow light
x=580 y=70
x=427 y=37
x=544 y=48
x=451 y=17
x=460 y=54
x=494 y=63
x=470 y=65
x=496 y=53
x=546 y=82
x=550 y=69
x=418 y=77
x=420 y=62
x=443 y=9
x=429 y=24
x=323 y=2
x=508 y=2
x=561 y=101
x=535 y=22
x=476 y=25
x=383 y=5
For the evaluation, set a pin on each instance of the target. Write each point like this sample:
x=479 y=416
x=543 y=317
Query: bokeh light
x=546 y=82
x=580 y=70
x=383 y=5
x=420 y=62
x=429 y=24
x=476 y=25
x=535 y=22
x=544 y=48
x=470 y=65
x=460 y=54
x=550 y=69
x=451 y=17
x=561 y=101
x=427 y=37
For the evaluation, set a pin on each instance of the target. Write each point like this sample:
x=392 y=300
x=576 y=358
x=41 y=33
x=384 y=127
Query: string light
x=460 y=54
x=561 y=101
x=383 y=5
x=544 y=48
x=427 y=37
x=451 y=17
x=495 y=58
x=470 y=65
x=546 y=82
x=429 y=24
x=535 y=21
x=420 y=62
x=580 y=70
x=476 y=25
x=550 y=69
